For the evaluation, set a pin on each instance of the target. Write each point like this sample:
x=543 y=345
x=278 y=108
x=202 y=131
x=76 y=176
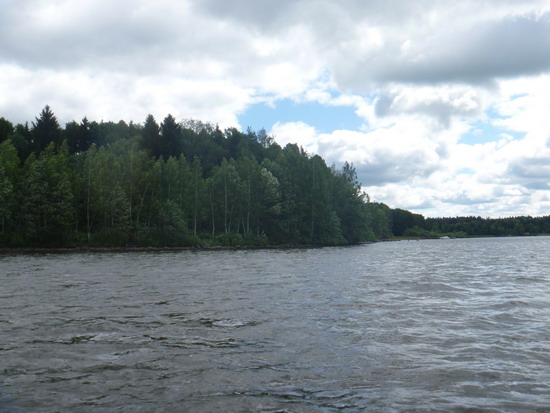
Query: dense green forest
x=173 y=184
x=459 y=227
x=477 y=226
x=190 y=184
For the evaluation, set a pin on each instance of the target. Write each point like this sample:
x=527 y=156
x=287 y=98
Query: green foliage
x=229 y=239
x=378 y=221
x=176 y=184
x=169 y=229
x=402 y=220
x=151 y=135
x=417 y=232
x=45 y=130
x=22 y=141
x=170 y=138
x=46 y=214
x=6 y=129
x=478 y=226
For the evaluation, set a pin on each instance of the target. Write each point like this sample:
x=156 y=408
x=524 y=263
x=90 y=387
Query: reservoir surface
x=439 y=325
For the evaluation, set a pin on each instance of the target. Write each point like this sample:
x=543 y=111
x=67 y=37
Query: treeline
x=478 y=226
x=175 y=184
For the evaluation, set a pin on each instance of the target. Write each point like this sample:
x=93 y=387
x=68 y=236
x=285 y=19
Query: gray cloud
x=149 y=38
x=507 y=48
x=427 y=204
x=464 y=199
x=532 y=173
x=440 y=106
x=387 y=168
x=480 y=54
x=150 y=35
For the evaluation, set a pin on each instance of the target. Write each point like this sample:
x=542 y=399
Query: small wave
x=156 y=338
x=233 y=323
x=511 y=304
x=57 y=379
x=175 y=315
x=68 y=340
x=104 y=367
x=212 y=322
x=198 y=341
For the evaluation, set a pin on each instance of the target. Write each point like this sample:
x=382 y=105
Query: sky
x=442 y=106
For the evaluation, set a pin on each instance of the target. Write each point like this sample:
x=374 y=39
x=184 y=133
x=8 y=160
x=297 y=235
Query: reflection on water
x=443 y=325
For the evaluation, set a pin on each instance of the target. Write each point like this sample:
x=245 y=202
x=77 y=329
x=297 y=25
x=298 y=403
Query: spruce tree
x=45 y=130
x=170 y=133
x=151 y=136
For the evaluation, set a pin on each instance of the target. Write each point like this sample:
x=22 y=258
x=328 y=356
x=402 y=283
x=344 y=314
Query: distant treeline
x=478 y=226
x=173 y=184
x=408 y=224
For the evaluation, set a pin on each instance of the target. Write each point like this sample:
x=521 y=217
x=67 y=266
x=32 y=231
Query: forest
x=496 y=227
x=173 y=183
x=188 y=183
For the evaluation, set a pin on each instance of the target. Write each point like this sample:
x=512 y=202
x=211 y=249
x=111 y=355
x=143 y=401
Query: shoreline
x=128 y=249
x=75 y=250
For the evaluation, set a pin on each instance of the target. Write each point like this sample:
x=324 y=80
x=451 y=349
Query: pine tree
x=151 y=136
x=170 y=138
x=45 y=130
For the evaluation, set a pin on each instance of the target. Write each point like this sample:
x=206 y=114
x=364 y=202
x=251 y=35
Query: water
x=443 y=325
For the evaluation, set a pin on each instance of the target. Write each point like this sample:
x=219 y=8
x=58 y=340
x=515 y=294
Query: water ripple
x=454 y=325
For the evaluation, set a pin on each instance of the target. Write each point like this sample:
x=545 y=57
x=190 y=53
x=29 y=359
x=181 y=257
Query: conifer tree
x=45 y=130
x=151 y=136
x=170 y=134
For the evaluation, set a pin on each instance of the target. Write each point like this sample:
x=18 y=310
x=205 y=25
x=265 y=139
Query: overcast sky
x=443 y=106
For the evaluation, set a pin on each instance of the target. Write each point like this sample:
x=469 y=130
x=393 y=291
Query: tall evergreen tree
x=151 y=136
x=86 y=136
x=71 y=135
x=170 y=138
x=45 y=130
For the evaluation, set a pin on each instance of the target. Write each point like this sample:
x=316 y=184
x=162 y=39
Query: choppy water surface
x=443 y=325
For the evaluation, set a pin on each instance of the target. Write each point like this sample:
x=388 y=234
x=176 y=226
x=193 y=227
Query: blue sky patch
x=324 y=118
x=465 y=171
x=483 y=132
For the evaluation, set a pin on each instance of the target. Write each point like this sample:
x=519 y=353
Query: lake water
x=441 y=325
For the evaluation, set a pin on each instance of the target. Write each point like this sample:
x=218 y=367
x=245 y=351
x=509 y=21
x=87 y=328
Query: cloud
x=441 y=103
x=300 y=133
x=114 y=96
x=401 y=152
x=532 y=173
x=421 y=75
x=469 y=55
x=407 y=158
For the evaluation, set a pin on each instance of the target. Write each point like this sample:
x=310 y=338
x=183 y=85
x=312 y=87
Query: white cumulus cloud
x=452 y=95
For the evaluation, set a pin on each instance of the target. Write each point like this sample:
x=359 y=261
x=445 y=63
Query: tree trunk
x=212 y=212
x=131 y=179
x=196 y=204
x=225 y=201
x=247 y=231
x=140 y=206
x=88 y=225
